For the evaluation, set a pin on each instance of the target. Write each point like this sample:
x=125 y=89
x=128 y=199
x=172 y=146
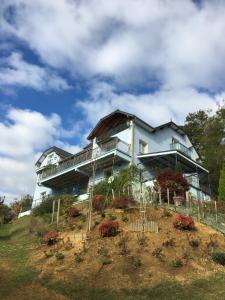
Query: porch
x=196 y=174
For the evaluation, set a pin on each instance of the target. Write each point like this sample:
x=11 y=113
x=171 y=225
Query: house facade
x=118 y=140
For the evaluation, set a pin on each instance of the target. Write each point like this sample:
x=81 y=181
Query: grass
x=212 y=288
x=14 y=245
x=16 y=242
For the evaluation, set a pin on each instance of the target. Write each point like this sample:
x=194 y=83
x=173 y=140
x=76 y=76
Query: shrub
x=50 y=237
x=123 y=202
x=108 y=228
x=172 y=180
x=177 y=263
x=157 y=252
x=218 y=257
x=78 y=258
x=97 y=222
x=45 y=207
x=98 y=203
x=136 y=262
x=169 y=243
x=48 y=254
x=183 y=222
x=72 y=212
x=125 y=218
x=111 y=217
x=59 y=255
x=105 y=260
x=194 y=243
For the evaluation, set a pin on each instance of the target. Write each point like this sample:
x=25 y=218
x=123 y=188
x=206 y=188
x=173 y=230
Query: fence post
x=53 y=210
x=58 y=212
x=168 y=196
x=187 y=203
x=216 y=212
x=198 y=204
x=160 y=197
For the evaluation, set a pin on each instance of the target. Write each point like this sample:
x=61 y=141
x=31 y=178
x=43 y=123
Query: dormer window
x=143 y=147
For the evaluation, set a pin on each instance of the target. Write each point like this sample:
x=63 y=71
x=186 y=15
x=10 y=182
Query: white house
x=120 y=139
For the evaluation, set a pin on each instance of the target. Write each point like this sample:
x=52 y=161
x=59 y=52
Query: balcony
x=85 y=156
x=181 y=148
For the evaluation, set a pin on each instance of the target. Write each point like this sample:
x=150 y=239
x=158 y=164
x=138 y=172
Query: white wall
x=37 y=194
x=56 y=158
x=160 y=140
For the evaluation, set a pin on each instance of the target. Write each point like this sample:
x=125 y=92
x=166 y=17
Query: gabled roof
x=172 y=125
x=114 y=119
x=62 y=153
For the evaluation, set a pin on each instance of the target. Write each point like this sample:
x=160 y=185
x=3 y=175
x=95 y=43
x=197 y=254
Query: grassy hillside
x=26 y=273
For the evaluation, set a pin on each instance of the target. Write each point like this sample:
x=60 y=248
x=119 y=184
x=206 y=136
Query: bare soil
x=120 y=273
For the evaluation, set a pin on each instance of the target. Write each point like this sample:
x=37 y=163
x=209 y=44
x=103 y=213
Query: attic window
x=50 y=159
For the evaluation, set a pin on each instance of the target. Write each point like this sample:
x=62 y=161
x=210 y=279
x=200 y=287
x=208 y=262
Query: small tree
x=221 y=190
x=172 y=180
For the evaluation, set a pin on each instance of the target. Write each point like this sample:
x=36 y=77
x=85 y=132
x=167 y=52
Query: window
x=143 y=147
x=43 y=196
x=50 y=159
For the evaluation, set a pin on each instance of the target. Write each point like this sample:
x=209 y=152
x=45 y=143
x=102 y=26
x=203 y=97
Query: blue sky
x=66 y=63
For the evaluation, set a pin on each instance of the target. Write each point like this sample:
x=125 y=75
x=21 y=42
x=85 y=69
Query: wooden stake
x=199 y=217
x=215 y=203
x=53 y=210
x=187 y=203
x=58 y=212
x=168 y=196
x=160 y=196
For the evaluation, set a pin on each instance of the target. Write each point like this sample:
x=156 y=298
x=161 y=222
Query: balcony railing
x=84 y=156
x=181 y=148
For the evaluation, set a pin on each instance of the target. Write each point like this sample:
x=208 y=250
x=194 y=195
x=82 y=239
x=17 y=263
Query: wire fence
x=209 y=212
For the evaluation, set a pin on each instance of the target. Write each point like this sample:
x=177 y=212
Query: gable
x=57 y=152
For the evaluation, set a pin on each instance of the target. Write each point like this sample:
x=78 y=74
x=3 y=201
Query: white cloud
x=176 y=42
x=14 y=71
x=24 y=135
x=156 y=108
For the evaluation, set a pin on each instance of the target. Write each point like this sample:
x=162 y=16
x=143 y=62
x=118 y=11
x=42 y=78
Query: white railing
x=84 y=156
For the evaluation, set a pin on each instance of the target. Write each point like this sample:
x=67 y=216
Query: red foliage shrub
x=73 y=212
x=123 y=202
x=50 y=237
x=98 y=203
x=183 y=222
x=172 y=180
x=108 y=228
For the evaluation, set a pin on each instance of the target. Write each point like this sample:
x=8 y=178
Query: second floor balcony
x=85 y=156
x=182 y=148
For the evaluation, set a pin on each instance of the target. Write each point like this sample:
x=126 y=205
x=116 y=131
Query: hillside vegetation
x=170 y=264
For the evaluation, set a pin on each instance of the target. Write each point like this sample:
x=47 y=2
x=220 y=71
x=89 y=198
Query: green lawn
x=16 y=273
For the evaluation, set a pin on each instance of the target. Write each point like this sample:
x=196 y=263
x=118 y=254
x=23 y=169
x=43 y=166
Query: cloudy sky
x=66 y=63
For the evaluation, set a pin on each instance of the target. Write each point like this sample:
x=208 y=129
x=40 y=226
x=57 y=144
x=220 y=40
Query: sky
x=66 y=63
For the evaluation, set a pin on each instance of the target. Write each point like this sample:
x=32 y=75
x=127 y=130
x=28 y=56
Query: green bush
x=78 y=258
x=136 y=262
x=177 y=263
x=105 y=260
x=59 y=255
x=45 y=207
x=111 y=217
x=218 y=257
x=121 y=180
